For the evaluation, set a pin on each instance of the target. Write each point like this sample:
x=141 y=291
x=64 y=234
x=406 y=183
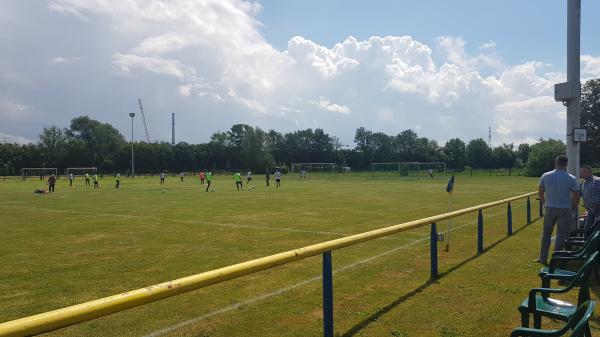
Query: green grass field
x=80 y=244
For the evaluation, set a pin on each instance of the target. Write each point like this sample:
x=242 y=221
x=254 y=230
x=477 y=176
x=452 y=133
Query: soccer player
x=277 y=178
x=267 y=177
x=51 y=183
x=208 y=180
x=237 y=177
x=95 y=177
x=430 y=171
x=248 y=177
x=302 y=174
x=71 y=179
x=201 y=175
x=162 y=177
x=181 y=175
x=87 y=179
x=118 y=179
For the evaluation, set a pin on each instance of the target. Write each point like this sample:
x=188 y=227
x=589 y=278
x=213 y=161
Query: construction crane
x=144 y=121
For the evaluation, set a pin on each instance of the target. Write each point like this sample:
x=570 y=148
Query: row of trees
x=87 y=142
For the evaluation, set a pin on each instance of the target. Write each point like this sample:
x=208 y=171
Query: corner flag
x=450 y=186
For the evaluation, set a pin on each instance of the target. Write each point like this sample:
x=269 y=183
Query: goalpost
x=407 y=169
x=80 y=170
x=313 y=167
x=41 y=172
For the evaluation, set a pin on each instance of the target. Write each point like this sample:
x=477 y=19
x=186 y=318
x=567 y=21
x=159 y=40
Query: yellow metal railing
x=56 y=319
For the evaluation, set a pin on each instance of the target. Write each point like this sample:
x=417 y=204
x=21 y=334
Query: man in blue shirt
x=559 y=192
x=590 y=193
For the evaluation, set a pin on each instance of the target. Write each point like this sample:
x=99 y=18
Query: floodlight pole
x=131 y=114
x=573 y=78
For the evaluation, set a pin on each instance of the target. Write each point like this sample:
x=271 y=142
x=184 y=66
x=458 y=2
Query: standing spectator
x=590 y=193
x=51 y=183
x=559 y=193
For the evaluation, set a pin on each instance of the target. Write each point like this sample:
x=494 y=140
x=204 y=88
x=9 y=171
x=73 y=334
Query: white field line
x=191 y=222
x=280 y=291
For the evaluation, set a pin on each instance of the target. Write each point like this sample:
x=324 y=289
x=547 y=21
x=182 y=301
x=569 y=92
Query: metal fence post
x=509 y=215
x=480 y=232
x=541 y=206
x=528 y=210
x=327 y=295
x=433 y=250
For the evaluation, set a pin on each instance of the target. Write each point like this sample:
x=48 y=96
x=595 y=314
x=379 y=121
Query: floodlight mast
x=573 y=77
x=132 y=114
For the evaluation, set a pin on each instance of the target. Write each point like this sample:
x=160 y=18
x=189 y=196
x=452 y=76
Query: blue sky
x=442 y=68
x=524 y=30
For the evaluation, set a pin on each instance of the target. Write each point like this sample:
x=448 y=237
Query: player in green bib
x=118 y=179
x=237 y=177
x=208 y=180
x=95 y=177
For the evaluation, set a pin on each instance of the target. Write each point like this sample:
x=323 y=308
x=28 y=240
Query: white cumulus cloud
x=210 y=60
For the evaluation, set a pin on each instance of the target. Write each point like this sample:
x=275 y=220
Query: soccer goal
x=313 y=167
x=40 y=172
x=408 y=169
x=79 y=171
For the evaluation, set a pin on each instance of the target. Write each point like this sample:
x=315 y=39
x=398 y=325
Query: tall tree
x=478 y=153
x=503 y=156
x=590 y=119
x=52 y=143
x=456 y=154
x=102 y=140
x=542 y=156
x=523 y=152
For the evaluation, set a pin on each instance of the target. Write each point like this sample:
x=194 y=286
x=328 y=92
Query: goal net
x=39 y=172
x=313 y=167
x=408 y=169
x=80 y=171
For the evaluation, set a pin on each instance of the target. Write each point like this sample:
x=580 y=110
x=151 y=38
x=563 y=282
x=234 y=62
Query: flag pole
x=449 y=189
x=449 y=223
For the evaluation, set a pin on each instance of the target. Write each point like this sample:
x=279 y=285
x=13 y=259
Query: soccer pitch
x=80 y=244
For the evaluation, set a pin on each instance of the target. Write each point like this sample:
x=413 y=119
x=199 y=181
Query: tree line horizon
x=88 y=142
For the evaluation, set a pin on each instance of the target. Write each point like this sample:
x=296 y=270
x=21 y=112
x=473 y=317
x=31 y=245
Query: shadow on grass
x=382 y=311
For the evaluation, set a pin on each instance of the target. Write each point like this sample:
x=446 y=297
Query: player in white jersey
x=277 y=178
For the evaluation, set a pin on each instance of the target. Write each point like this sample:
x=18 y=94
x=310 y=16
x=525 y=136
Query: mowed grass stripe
x=57 y=259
